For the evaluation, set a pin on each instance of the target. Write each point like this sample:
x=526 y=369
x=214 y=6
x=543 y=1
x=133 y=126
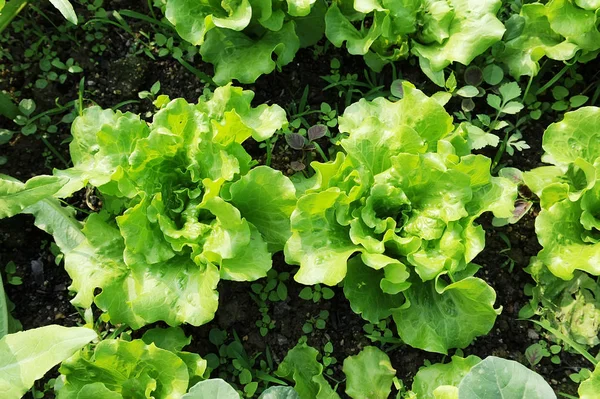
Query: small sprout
x=396 y=88
x=467 y=105
x=493 y=74
x=473 y=76
x=316 y=132
x=27 y=106
x=295 y=141
x=297 y=166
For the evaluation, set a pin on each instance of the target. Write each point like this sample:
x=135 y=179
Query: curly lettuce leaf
x=576 y=24
x=471 y=30
x=537 y=40
x=572 y=307
x=143 y=371
x=193 y=19
x=570 y=195
x=188 y=291
x=576 y=136
x=439 y=32
x=567 y=245
x=364 y=289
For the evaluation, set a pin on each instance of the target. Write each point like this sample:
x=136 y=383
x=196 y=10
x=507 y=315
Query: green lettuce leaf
x=537 y=40
x=266 y=199
x=193 y=19
x=26 y=356
x=463 y=310
x=589 y=388
x=369 y=374
x=428 y=381
x=301 y=366
x=16 y=196
x=472 y=29
x=224 y=48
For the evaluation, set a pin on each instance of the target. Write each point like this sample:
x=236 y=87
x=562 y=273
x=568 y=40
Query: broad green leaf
x=590 y=388
x=212 y=388
x=142 y=236
x=142 y=370
x=301 y=366
x=172 y=339
x=369 y=374
x=577 y=25
x=362 y=289
x=224 y=48
x=16 y=196
x=311 y=28
x=66 y=9
x=439 y=317
x=339 y=29
x=59 y=221
x=266 y=198
x=428 y=379
x=26 y=356
x=496 y=377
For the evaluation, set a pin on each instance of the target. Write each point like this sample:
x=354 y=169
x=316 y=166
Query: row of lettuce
x=248 y=38
x=156 y=366
x=392 y=217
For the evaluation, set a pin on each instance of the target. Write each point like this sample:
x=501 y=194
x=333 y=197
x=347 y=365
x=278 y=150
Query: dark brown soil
x=118 y=75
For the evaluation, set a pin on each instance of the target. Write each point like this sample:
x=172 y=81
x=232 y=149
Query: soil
x=118 y=75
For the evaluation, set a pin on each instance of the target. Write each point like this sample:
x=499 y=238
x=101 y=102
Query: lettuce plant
x=182 y=207
x=572 y=307
x=247 y=38
x=154 y=366
x=473 y=378
x=439 y=32
x=568 y=226
x=403 y=198
x=556 y=29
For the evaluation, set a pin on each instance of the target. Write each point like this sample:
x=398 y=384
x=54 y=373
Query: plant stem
x=54 y=151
